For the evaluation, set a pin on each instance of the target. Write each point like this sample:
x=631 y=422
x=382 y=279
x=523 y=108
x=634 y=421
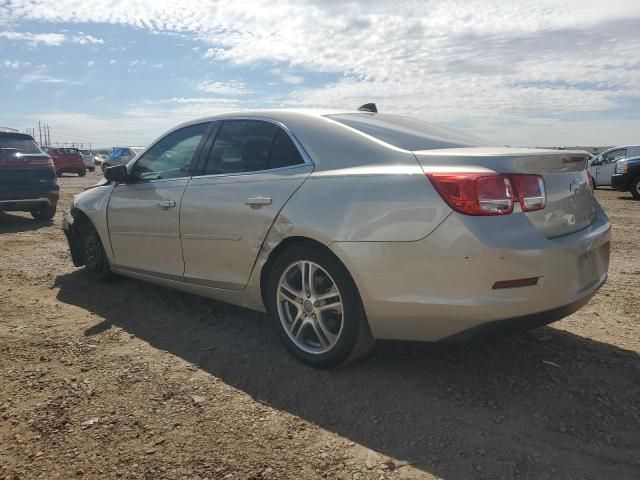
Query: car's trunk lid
x=570 y=202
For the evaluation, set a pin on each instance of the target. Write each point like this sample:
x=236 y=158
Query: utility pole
x=48 y=135
x=40 y=132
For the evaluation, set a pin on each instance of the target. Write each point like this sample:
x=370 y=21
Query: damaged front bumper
x=69 y=229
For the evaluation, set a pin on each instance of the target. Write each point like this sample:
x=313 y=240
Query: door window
x=241 y=146
x=249 y=146
x=171 y=156
x=615 y=155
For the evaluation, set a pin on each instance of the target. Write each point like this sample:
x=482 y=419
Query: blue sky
x=122 y=72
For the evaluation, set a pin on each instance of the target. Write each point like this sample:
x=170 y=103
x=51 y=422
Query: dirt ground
x=134 y=381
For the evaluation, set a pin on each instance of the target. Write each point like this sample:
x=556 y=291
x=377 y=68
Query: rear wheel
x=44 y=212
x=93 y=255
x=635 y=188
x=316 y=309
x=82 y=173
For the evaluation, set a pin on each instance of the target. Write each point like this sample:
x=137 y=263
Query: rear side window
x=408 y=133
x=241 y=146
x=10 y=144
x=249 y=146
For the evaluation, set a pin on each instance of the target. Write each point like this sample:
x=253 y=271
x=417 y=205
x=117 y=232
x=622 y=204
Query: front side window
x=171 y=156
x=615 y=155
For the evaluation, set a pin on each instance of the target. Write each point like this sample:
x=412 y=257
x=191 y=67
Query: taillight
x=490 y=194
x=530 y=191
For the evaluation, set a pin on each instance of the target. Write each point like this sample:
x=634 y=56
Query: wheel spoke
x=323 y=297
x=290 y=294
x=331 y=337
x=297 y=325
x=331 y=306
x=325 y=342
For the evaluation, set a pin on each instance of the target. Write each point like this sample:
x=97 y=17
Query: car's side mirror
x=116 y=174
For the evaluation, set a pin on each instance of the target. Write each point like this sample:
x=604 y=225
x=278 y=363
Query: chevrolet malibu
x=350 y=226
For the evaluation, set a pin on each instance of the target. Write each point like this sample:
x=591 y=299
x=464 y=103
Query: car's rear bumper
x=24 y=199
x=442 y=285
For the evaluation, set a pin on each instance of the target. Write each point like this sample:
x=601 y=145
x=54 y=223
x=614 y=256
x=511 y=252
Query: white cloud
x=287 y=77
x=13 y=64
x=231 y=87
x=83 y=39
x=501 y=68
x=50 y=39
x=90 y=63
x=39 y=76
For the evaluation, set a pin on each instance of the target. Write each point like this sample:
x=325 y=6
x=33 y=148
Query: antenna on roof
x=368 y=107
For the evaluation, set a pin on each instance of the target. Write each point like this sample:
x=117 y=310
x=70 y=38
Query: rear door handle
x=258 y=201
x=166 y=204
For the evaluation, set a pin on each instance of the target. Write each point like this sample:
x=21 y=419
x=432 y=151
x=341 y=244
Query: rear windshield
x=408 y=133
x=12 y=143
x=66 y=151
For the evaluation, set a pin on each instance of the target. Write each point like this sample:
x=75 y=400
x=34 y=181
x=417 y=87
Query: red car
x=67 y=160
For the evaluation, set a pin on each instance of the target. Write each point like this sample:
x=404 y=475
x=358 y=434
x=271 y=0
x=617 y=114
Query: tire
x=59 y=173
x=92 y=169
x=634 y=188
x=93 y=255
x=349 y=337
x=593 y=183
x=105 y=166
x=82 y=173
x=44 y=212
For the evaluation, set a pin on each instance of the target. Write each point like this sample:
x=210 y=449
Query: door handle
x=253 y=201
x=166 y=204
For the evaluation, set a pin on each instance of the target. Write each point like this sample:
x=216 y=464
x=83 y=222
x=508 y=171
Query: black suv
x=28 y=180
x=627 y=176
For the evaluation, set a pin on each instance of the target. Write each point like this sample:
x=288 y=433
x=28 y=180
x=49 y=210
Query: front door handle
x=253 y=201
x=166 y=204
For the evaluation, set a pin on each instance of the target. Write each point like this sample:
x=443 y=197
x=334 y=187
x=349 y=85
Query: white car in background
x=603 y=166
x=89 y=160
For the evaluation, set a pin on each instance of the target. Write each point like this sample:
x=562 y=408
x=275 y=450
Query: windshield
x=408 y=133
x=17 y=143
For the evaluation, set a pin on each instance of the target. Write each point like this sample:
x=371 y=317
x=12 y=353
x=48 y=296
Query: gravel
x=130 y=380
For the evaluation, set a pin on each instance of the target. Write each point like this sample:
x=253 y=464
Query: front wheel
x=315 y=307
x=44 y=212
x=93 y=254
x=635 y=188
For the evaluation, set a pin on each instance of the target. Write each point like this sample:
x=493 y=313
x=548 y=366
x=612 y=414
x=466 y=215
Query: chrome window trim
x=303 y=153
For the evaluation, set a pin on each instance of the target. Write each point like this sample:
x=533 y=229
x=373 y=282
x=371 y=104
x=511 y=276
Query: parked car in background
x=67 y=160
x=351 y=226
x=602 y=167
x=120 y=156
x=627 y=176
x=98 y=159
x=89 y=160
x=27 y=177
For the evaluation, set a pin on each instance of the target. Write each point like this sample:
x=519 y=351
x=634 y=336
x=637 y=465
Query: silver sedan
x=350 y=226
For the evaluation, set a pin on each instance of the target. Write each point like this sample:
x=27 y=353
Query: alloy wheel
x=310 y=307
